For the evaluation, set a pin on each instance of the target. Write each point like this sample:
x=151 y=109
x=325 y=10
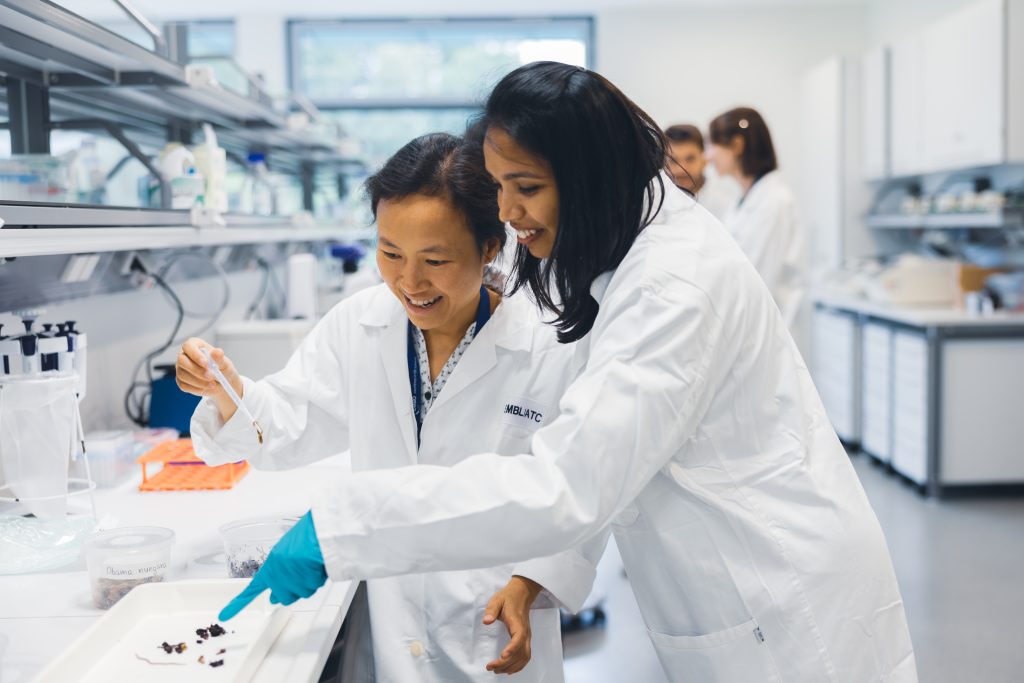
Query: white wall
x=892 y=19
x=689 y=65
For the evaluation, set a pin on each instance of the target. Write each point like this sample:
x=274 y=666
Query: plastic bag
x=33 y=545
x=38 y=425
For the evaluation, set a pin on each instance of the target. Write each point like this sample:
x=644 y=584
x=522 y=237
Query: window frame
x=292 y=26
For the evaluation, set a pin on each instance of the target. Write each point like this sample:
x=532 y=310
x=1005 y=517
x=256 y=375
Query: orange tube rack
x=183 y=471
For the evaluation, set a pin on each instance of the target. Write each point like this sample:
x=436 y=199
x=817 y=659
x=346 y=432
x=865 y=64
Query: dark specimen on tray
x=203 y=633
x=217 y=630
x=219 y=662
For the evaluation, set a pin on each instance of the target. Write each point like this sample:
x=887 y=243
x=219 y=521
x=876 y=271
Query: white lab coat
x=766 y=225
x=694 y=427
x=347 y=386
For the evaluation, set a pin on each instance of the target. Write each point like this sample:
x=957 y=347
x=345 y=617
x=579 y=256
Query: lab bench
x=932 y=393
x=41 y=614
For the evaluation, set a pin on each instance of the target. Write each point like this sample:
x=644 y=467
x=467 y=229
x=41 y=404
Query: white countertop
x=920 y=316
x=41 y=614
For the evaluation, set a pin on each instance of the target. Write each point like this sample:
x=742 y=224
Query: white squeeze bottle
x=212 y=162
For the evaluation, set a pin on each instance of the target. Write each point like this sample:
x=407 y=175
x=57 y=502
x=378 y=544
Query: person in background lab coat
x=692 y=425
x=489 y=376
x=688 y=166
x=764 y=222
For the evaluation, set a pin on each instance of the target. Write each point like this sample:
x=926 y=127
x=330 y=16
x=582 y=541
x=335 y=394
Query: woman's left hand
x=512 y=606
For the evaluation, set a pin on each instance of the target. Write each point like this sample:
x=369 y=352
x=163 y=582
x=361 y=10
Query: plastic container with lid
x=247 y=542
x=121 y=559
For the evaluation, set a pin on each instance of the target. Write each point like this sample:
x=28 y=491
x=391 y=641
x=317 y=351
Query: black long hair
x=758 y=157
x=442 y=165
x=605 y=153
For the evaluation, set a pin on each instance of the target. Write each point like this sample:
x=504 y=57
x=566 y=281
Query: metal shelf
x=92 y=73
x=43 y=242
x=1007 y=219
x=32 y=30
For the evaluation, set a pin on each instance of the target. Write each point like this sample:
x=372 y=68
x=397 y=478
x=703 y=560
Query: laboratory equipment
x=111 y=456
x=125 y=643
x=177 y=167
x=184 y=471
x=258 y=195
x=169 y=406
x=232 y=394
x=40 y=435
x=118 y=560
x=247 y=543
x=302 y=287
x=916 y=281
x=34 y=178
x=212 y=163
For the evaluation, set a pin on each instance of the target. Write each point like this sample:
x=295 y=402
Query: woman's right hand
x=194 y=377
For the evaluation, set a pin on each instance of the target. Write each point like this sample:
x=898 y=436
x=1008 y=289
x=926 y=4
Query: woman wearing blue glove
x=692 y=426
x=421 y=369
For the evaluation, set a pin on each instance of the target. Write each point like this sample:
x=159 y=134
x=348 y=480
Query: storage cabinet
x=981 y=425
x=934 y=394
x=907 y=106
x=956 y=92
x=965 y=77
x=874 y=74
x=835 y=354
x=876 y=390
x=910 y=406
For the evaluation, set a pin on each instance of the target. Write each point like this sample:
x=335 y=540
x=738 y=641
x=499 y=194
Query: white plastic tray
x=156 y=612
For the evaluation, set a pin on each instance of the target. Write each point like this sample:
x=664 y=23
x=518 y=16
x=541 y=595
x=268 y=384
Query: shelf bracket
x=28 y=106
x=159 y=45
x=117 y=133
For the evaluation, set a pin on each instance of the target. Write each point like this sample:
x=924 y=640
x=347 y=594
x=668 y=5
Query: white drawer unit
x=936 y=397
x=910 y=447
x=835 y=367
x=876 y=390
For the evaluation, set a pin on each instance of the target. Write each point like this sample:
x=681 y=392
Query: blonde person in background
x=689 y=168
x=764 y=222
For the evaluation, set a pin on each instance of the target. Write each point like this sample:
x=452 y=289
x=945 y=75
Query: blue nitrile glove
x=294 y=569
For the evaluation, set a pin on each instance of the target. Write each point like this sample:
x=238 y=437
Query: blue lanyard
x=483 y=314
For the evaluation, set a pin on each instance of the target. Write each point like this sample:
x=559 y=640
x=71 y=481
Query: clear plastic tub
x=111 y=456
x=121 y=559
x=247 y=542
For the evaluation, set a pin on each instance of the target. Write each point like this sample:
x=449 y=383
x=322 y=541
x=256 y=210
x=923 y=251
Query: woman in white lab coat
x=488 y=376
x=764 y=222
x=692 y=426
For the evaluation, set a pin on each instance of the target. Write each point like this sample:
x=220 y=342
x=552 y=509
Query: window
x=211 y=39
x=388 y=81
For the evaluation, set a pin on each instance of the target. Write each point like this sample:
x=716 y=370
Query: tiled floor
x=960 y=565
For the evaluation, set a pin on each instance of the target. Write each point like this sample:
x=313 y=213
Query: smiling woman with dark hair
x=692 y=426
x=391 y=373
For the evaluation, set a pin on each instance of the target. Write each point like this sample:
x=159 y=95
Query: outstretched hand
x=294 y=569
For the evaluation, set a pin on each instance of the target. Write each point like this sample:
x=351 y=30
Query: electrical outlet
x=126 y=263
x=80 y=268
x=133 y=263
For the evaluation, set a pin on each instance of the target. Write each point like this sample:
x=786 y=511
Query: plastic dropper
x=223 y=381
